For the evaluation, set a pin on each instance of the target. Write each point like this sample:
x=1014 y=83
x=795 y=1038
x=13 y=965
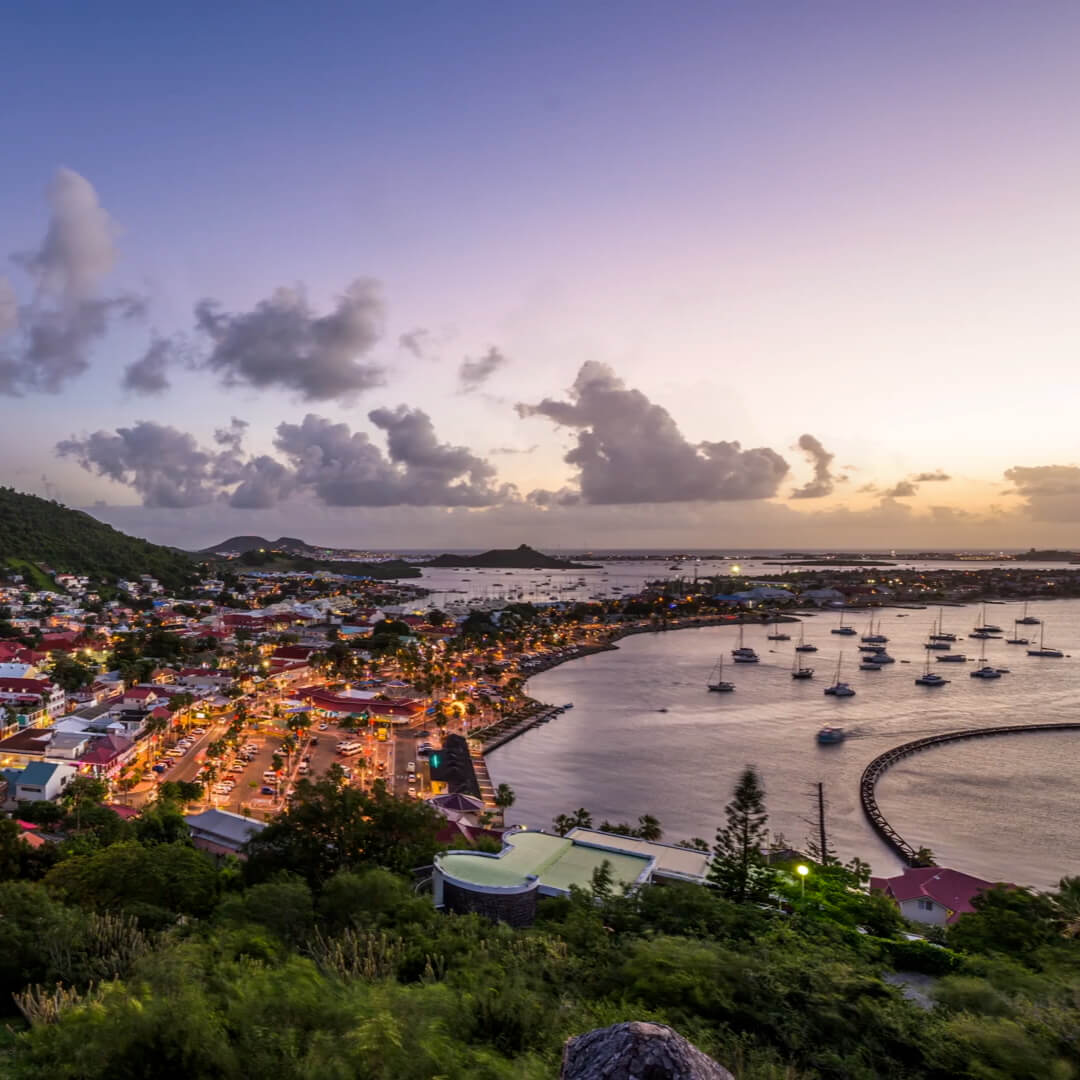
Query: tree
x=739 y=869
x=504 y=796
x=328 y=827
x=579 y=819
x=84 y=791
x=649 y=828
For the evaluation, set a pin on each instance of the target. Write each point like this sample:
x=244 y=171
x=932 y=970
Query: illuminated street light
x=802 y=871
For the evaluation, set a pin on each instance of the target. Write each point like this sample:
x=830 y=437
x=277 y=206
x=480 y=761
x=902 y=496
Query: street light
x=802 y=871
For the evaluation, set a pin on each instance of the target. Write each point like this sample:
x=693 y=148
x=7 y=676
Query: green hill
x=522 y=557
x=37 y=534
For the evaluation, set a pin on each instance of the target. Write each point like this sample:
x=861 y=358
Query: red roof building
x=932 y=894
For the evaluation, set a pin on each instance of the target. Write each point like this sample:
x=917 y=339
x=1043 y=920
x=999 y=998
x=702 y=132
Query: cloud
x=233 y=435
x=415 y=342
x=630 y=450
x=905 y=489
x=474 y=373
x=514 y=449
x=823 y=482
x=867 y=489
x=1051 y=492
x=937 y=476
x=282 y=343
x=345 y=468
x=54 y=334
x=148 y=374
x=165 y=466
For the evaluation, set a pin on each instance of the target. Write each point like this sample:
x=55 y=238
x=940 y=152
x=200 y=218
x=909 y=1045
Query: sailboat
x=941 y=635
x=928 y=677
x=847 y=631
x=875 y=638
x=985 y=629
x=984 y=670
x=743 y=654
x=838 y=688
x=1042 y=650
x=933 y=642
x=716 y=678
x=1016 y=639
x=803 y=645
x=800 y=672
x=1026 y=619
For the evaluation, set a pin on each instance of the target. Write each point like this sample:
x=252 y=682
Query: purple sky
x=489 y=273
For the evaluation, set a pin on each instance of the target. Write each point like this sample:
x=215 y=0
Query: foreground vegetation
x=126 y=953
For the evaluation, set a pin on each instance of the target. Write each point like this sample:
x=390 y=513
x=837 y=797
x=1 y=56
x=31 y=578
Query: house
x=142 y=696
x=40 y=781
x=932 y=894
x=220 y=832
x=19 y=692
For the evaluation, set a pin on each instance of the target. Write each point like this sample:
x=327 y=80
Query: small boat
x=803 y=646
x=1026 y=619
x=880 y=658
x=952 y=658
x=1016 y=639
x=872 y=648
x=743 y=654
x=930 y=678
x=940 y=645
x=778 y=637
x=716 y=680
x=986 y=672
x=867 y=665
x=829 y=735
x=940 y=634
x=847 y=631
x=984 y=628
x=875 y=638
x=1042 y=650
x=800 y=672
x=838 y=688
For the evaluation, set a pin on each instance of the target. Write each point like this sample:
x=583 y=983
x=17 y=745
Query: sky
x=579 y=274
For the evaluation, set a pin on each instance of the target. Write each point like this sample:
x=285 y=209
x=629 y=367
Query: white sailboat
x=743 y=654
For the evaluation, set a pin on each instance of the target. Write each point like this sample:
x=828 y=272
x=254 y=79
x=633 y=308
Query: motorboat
x=952 y=658
x=829 y=735
x=716 y=681
x=985 y=672
x=1042 y=650
x=838 y=688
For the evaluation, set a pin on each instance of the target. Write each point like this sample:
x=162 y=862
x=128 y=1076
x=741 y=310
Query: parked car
x=266 y=790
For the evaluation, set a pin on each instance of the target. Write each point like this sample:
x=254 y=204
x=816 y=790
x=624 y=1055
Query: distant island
x=1048 y=556
x=522 y=557
x=239 y=545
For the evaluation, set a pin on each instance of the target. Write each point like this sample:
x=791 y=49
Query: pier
x=874 y=771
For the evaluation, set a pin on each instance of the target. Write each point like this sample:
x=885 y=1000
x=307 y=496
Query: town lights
x=802 y=871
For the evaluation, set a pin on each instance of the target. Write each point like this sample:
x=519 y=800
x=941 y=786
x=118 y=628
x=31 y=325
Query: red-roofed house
x=142 y=695
x=21 y=691
x=107 y=755
x=932 y=894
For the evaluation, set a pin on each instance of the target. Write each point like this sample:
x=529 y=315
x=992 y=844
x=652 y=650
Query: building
x=932 y=894
x=507 y=886
x=19 y=692
x=220 y=832
x=41 y=781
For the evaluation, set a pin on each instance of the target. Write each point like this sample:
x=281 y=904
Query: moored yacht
x=985 y=672
x=838 y=688
x=716 y=679
x=1026 y=619
x=804 y=645
x=800 y=672
x=952 y=658
x=847 y=631
x=743 y=654
x=877 y=638
x=1042 y=650
x=930 y=678
x=1016 y=639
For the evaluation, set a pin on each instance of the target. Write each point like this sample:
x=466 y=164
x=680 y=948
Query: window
x=926 y=905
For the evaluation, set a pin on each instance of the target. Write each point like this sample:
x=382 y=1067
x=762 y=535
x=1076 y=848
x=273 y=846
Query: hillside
x=35 y=533
x=522 y=557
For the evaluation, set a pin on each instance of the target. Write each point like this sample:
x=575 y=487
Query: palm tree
x=504 y=797
x=649 y=828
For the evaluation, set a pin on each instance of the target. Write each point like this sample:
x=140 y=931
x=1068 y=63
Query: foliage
x=44 y=532
x=738 y=868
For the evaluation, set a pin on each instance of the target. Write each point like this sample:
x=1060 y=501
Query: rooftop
x=670 y=858
x=557 y=861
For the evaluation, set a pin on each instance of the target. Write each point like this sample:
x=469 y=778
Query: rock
x=637 y=1051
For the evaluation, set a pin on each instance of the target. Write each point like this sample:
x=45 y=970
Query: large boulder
x=637 y=1051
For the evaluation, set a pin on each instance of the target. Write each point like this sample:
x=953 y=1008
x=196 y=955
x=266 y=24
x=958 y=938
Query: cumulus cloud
x=149 y=374
x=514 y=449
x=867 y=489
x=345 y=468
x=630 y=450
x=936 y=476
x=165 y=466
x=1051 y=492
x=414 y=341
x=53 y=335
x=823 y=482
x=283 y=343
x=905 y=489
x=474 y=373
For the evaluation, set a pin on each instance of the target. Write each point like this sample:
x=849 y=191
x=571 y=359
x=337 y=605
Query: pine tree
x=739 y=869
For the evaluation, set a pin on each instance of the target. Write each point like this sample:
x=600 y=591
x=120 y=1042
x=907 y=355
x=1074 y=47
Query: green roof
x=557 y=861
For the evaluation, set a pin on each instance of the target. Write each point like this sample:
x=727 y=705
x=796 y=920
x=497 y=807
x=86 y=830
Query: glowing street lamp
x=802 y=871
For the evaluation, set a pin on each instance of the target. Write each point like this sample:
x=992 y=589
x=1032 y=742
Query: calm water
x=1004 y=808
